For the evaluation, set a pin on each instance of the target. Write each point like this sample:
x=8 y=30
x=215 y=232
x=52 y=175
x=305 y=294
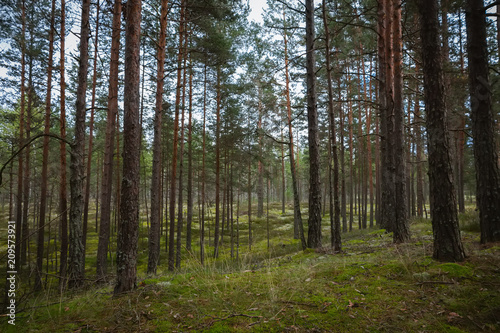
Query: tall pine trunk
x=107 y=176
x=483 y=131
x=400 y=225
x=63 y=196
x=91 y=133
x=189 y=217
x=19 y=197
x=298 y=230
x=45 y=157
x=171 y=239
x=334 y=192
x=126 y=253
x=156 y=189
x=217 y=169
x=76 y=262
x=447 y=242
x=314 y=231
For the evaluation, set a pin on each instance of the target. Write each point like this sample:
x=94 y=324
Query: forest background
x=182 y=133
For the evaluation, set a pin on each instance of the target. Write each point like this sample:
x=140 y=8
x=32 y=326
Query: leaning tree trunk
x=483 y=132
x=447 y=242
x=314 y=231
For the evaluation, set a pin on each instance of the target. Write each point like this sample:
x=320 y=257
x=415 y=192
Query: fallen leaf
x=66 y=309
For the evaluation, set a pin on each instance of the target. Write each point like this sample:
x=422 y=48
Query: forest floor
x=372 y=286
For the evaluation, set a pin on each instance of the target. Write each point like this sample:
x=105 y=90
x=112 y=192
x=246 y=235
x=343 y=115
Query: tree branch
x=26 y=145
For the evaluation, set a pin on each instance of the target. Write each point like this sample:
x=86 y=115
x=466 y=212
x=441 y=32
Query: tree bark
x=314 y=230
x=202 y=218
x=180 y=203
x=447 y=243
x=171 y=240
x=217 y=168
x=45 y=156
x=107 y=176
x=483 y=122
x=63 y=196
x=126 y=254
x=91 y=134
x=19 y=197
x=156 y=190
x=76 y=266
x=334 y=192
x=401 y=226
x=260 y=165
x=189 y=217
x=298 y=228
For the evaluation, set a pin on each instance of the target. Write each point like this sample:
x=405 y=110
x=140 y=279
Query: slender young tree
x=447 y=242
x=107 y=176
x=189 y=215
x=156 y=190
x=45 y=156
x=314 y=232
x=260 y=165
x=202 y=219
x=126 y=254
x=19 y=197
x=334 y=192
x=297 y=216
x=63 y=196
x=483 y=122
x=180 y=203
x=171 y=240
x=86 y=199
x=217 y=167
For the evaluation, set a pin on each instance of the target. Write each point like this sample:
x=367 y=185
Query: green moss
x=456 y=271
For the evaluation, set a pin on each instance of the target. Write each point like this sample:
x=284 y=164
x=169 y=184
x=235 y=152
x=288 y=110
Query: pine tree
x=314 y=232
x=76 y=262
x=447 y=242
x=482 y=121
x=126 y=256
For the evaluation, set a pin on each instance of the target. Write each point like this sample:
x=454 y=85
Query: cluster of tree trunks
x=393 y=179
